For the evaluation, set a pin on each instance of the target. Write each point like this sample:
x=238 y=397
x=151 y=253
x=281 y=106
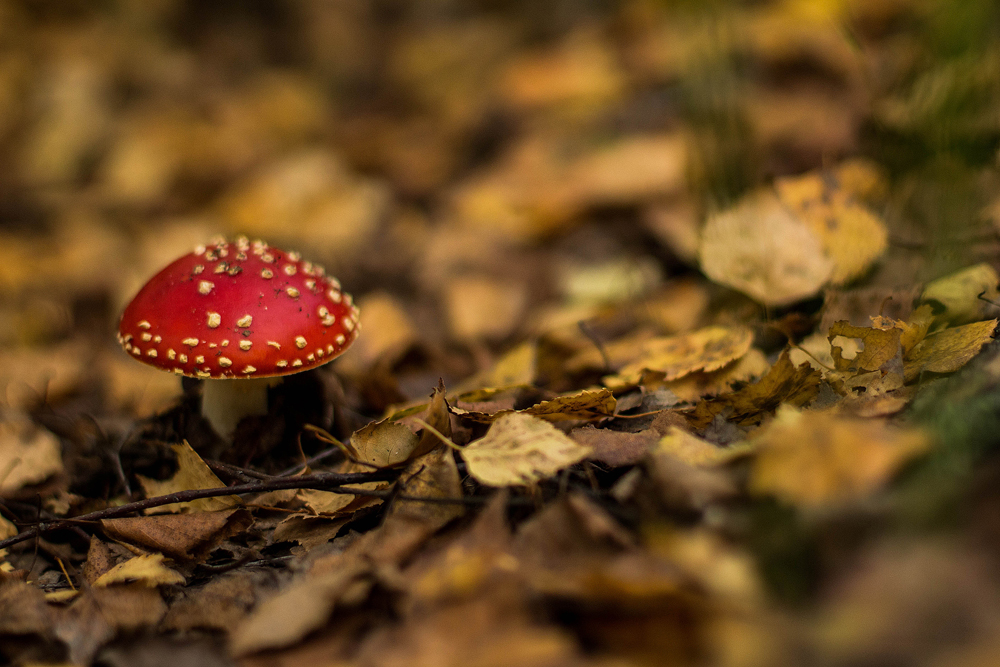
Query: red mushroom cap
x=239 y=310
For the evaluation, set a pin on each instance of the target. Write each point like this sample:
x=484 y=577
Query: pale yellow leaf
x=761 y=249
x=521 y=449
x=148 y=570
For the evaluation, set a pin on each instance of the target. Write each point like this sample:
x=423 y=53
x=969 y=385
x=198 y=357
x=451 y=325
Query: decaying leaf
x=521 y=449
x=880 y=346
x=147 y=570
x=192 y=473
x=762 y=250
x=814 y=458
x=784 y=383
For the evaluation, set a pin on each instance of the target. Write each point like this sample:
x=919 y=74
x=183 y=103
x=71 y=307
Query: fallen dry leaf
x=521 y=449
x=880 y=346
x=181 y=536
x=959 y=294
x=29 y=454
x=192 y=473
x=673 y=357
x=696 y=451
x=585 y=405
x=147 y=570
x=948 y=350
x=814 y=459
x=761 y=249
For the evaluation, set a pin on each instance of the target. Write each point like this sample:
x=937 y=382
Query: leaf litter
x=678 y=335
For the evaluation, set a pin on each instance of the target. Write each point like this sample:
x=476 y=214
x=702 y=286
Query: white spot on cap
x=249 y=369
x=311 y=285
x=348 y=299
x=329 y=321
x=289 y=269
x=294 y=256
x=333 y=295
x=171 y=354
x=190 y=342
x=136 y=351
x=335 y=284
x=183 y=358
x=178 y=371
x=329 y=349
x=323 y=311
x=292 y=292
x=267 y=258
x=199 y=359
x=150 y=353
x=205 y=286
x=198 y=268
x=146 y=337
x=203 y=374
x=213 y=345
x=221 y=267
x=245 y=345
x=297 y=363
x=340 y=339
x=244 y=321
x=311 y=357
x=144 y=325
x=281 y=363
x=349 y=324
x=300 y=342
x=224 y=343
x=214 y=320
x=275 y=344
x=225 y=362
x=157 y=339
x=266 y=274
x=199 y=250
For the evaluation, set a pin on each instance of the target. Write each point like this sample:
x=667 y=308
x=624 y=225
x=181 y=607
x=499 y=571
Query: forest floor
x=677 y=333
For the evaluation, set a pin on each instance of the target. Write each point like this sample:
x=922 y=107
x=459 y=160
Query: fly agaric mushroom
x=238 y=315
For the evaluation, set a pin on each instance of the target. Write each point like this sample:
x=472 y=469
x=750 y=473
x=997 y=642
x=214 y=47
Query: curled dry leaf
x=584 y=405
x=761 y=249
x=521 y=449
x=673 y=357
x=816 y=458
x=880 y=346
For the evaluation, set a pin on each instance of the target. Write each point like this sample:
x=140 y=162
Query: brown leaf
x=180 y=536
x=673 y=357
x=192 y=473
x=616 y=448
x=880 y=346
x=584 y=405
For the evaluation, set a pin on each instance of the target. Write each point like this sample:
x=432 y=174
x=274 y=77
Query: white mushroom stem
x=225 y=402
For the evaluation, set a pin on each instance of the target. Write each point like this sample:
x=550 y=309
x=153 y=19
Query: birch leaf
x=520 y=449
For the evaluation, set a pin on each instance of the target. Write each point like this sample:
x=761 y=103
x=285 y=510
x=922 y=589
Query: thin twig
x=328 y=481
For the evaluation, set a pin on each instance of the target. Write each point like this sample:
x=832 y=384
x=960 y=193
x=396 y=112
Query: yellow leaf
x=587 y=404
x=853 y=237
x=695 y=451
x=813 y=458
x=29 y=454
x=148 y=570
x=880 y=346
x=521 y=449
x=947 y=351
x=761 y=249
x=192 y=473
x=707 y=350
x=959 y=293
